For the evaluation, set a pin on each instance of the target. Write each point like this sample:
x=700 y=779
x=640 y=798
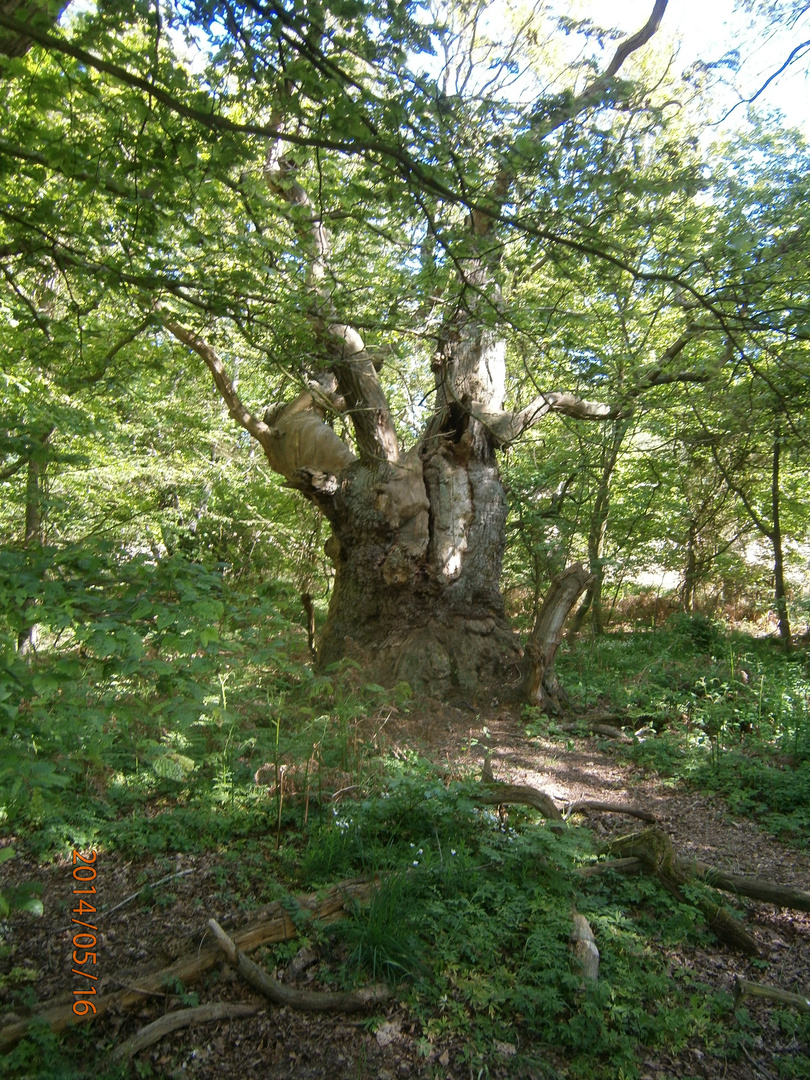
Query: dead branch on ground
x=743 y=988
x=595 y=727
x=768 y=892
x=654 y=848
x=608 y=808
x=276 y=925
x=494 y=793
x=306 y=1000
x=176 y=1021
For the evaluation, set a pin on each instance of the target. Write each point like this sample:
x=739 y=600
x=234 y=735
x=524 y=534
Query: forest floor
x=282 y=1043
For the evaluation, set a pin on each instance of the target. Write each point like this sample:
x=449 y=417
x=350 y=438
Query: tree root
x=654 y=849
x=494 y=793
x=306 y=1000
x=276 y=925
x=176 y=1021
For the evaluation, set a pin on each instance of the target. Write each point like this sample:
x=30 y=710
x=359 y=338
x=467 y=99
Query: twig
x=175 y=1021
x=307 y=1000
x=128 y=900
x=146 y=885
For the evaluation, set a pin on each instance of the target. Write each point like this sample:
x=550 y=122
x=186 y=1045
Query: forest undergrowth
x=166 y=714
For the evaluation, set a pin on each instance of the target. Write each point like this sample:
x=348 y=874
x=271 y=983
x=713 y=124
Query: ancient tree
x=291 y=96
x=418 y=531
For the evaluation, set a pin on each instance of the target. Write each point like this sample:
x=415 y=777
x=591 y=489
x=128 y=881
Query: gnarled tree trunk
x=418 y=535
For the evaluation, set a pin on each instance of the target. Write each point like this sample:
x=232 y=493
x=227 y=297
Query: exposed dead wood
x=583 y=948
x=595 y=727
x=176 y=1021
x=608 y=808
x=276 y=925
x=280 y=994
x=539 y=684
x=743 y=988
x=493 y=793
x=654 y=848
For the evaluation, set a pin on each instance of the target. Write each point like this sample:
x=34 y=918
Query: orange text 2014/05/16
x=84 y=942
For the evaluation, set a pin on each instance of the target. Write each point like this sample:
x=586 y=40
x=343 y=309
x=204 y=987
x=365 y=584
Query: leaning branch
x=222 y=380
x=294 y=437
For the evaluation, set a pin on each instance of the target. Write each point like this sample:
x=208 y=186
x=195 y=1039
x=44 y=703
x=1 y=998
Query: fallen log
x=306 y=1000
x=176 y=1021
x=767 y=892
x=277 y=925
x=743 y=988
x=595 y=727
x=755 y=888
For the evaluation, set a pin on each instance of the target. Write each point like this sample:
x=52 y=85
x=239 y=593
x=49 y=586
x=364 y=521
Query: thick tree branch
x=222 y=380
x=354 y=369
x=506 y=427
x=22 y=14
x=13 y=469
x=294 y=437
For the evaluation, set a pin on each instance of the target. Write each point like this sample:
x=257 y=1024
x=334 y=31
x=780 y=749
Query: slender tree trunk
x=780 y=596
x=690 y=571
x=597 y=527
x=28 y=638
